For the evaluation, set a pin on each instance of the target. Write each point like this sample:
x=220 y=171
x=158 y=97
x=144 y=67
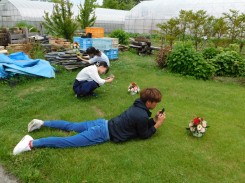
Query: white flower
x=203 y=130
x=192 y=129
x=199 y=127
x=204 y=124
x=191 y=124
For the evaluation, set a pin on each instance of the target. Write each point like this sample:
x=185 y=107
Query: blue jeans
x=84 y=87
x=89 y=133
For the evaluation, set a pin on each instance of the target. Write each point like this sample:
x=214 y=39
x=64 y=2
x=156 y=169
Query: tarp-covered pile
x=20 y=63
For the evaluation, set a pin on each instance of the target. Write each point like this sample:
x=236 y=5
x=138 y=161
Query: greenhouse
x=14 y=11
x=144 y=17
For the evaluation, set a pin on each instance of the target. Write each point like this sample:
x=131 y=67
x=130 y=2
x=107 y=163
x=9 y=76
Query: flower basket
x=197 y=127
x=133 y=88
x=76 y=45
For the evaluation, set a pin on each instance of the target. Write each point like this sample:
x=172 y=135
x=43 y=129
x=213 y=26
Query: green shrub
x=133 y=35
x=121 y=35
x=233 y=47
x=229 y=63
x=37 y=51
x=185 y=60
x=209 y=53
x=24 y=24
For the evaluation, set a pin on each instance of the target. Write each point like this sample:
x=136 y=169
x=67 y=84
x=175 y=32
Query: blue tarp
x=20 y=63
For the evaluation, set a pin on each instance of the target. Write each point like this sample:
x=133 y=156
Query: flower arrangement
x=133 y=88
x=197 y=127
x=76 y=45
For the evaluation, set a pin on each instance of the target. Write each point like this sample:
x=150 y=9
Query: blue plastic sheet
x=20 y=63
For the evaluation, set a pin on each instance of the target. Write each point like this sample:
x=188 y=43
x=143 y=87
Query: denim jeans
x=89 y=133
x=84 y=87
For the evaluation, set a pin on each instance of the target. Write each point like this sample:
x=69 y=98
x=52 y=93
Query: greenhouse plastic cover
x=20 y=63
x=144 y=17
x=32 y=9
x=35 y=10
x=166 y=9
x=110 y=14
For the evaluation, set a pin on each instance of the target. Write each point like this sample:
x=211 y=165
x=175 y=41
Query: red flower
x=196 y=121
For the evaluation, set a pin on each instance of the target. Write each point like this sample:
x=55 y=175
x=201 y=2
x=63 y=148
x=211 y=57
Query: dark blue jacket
x=132 y=123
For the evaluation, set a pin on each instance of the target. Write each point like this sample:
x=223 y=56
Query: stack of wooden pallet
x=2 y=50
x=19 y=47
x=68 y=59
x=142 y=45
x=3 y=37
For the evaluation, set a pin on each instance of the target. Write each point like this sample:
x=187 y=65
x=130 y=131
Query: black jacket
x=132 y=123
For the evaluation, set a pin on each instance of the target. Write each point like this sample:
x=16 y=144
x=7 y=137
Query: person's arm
x=109 y=79
x=143 y=129
x=93 y=60
x=151 y=122
x=83 y=59
x=94 y=75
x=159 y=119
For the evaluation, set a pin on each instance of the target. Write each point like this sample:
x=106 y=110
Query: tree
x=170 y=30
x=110 y=4
x=234 y=22
x=61 y=22
x=241 y=35
x=219 y=29
x=119 y=4
x=196 y=26
x=56 y=1
x=184 y=20
x=86 y=17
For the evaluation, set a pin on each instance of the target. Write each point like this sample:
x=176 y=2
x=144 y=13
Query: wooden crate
x=3 y=39
x=97 y=32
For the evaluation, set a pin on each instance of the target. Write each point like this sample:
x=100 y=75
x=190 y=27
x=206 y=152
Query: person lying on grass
x=135 y=122
x=97 y=56
x=88 y=79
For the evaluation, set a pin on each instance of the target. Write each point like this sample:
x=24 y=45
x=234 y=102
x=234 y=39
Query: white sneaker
x=23 y=145
x=35 y=124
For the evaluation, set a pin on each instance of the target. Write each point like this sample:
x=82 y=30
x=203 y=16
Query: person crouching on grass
x=133 y=123
x=96 y=56
x=88 y=79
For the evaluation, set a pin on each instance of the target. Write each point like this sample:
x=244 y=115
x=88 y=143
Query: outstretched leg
x=92 y=136
x=63 y=125
x=96 y=133
x=73 y=126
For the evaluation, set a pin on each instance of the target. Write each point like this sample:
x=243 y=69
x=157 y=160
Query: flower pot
x=196 y=134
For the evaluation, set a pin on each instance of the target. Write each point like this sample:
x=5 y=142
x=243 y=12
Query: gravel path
x=5 y=178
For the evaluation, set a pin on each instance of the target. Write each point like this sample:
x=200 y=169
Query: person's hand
x=159 y=119
x=109 y=79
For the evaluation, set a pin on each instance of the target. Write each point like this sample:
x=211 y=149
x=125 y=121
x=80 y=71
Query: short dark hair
x=150 y=94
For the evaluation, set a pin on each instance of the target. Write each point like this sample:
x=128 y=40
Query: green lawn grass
x=171 y=155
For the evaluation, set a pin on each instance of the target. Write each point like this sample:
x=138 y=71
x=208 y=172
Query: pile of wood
x=26 y=48
x=3 y=37
x=142 y=45
x=122 y=48
x=70 y=60
x=18 y=35
x=59 y=42
x=2 y=50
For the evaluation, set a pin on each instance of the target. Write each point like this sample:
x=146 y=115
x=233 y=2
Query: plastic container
x=83 y=42
x=112 y=54
x=97 y=32
x=105 y=43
